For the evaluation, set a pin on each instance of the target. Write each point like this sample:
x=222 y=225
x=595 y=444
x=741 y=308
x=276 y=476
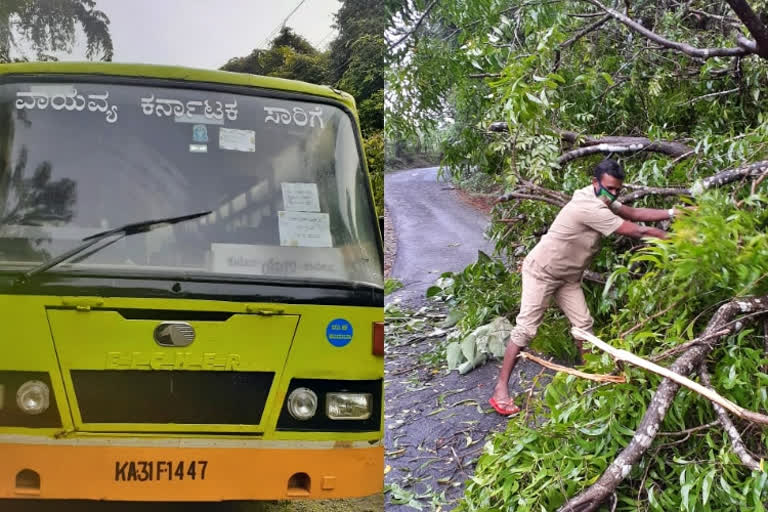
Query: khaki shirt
x=572 y=241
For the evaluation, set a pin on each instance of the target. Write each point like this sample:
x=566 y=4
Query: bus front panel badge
x=174 y=334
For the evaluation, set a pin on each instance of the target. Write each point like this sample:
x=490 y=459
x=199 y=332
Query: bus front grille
x=171 y=396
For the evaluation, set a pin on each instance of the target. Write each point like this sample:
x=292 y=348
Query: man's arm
x=642 y=214
x=633 y=230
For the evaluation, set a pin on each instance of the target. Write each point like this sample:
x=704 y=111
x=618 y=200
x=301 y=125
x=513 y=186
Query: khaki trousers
x=538 y=290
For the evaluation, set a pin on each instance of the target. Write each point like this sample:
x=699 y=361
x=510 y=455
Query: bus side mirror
x=381 y=225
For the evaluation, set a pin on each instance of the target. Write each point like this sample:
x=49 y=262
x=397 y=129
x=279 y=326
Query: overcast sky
x=204 y=33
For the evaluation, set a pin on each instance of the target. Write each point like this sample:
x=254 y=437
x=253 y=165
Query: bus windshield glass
x=283 y=179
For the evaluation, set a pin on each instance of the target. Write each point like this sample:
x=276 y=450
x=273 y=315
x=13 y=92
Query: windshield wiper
x=123 y=231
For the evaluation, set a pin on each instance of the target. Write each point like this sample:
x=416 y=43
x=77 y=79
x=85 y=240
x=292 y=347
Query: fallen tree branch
x=711 y=95
x=625 y=356
x=518 y=195
x=754 y=24
x=581 y=33
x=715 y=16
x=591 y=498
x=531 y=191
x=748 y=44
x=600 y=148
x=609 y=144
x=529 y=186
x=701 y=53
x=640 y=192
x=730 y=175
x=722 y=417
x=691 y=430
x=616 y=379
x=671 y=148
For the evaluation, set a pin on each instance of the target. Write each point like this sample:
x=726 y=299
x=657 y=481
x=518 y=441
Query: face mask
x=602 y=192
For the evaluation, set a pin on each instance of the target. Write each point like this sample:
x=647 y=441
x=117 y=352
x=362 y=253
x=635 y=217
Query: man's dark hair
x=610 y=167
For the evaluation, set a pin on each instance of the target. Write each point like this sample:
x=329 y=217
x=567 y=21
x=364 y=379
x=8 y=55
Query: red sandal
x=504 y=411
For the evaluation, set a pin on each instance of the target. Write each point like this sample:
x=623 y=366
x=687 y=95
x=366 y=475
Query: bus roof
x=176 y=73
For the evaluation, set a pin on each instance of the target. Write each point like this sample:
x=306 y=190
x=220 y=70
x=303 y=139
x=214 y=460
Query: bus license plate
x=159 y=470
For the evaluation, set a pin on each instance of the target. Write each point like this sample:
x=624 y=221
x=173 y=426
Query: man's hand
x=637 y=231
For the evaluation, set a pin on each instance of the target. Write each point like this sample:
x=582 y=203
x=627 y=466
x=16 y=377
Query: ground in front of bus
x=436 y=421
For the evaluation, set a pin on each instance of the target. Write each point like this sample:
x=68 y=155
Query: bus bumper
x=163 y=473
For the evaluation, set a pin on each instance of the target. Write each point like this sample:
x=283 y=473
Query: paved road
x=436 y=422
x=435 y=231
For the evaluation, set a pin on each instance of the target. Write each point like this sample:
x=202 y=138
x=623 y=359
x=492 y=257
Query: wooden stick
x=623 y=355
x=617 y=379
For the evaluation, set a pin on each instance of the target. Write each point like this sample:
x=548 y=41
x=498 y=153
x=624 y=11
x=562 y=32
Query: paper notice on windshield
x=304 y=229
x=237 y=140
x=300 y=197
x=266 y=260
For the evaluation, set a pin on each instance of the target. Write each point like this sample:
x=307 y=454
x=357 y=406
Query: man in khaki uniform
x=555 y=266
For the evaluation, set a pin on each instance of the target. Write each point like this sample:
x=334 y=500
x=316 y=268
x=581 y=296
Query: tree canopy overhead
x=48 y=26
x=353 y=63
x=532 y=94
x=289 y=56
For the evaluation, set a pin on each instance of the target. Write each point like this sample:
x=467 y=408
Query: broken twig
x=616 y=379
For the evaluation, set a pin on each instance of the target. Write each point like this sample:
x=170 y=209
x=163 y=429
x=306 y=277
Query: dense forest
x=528 y=96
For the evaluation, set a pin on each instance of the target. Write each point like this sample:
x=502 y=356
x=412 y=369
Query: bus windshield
x=283 y=179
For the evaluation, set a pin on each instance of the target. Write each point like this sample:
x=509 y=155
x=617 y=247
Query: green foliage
x=47 y=27
x=357 y=58
x=356 y=20
x=391 y=285
x=420 y=150
x=289 y=56
x=363 y=79
x=374 y=154
x=480 y=292
x=716 y=253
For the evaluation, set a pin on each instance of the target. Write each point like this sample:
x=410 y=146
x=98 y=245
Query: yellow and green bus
x=191 y=288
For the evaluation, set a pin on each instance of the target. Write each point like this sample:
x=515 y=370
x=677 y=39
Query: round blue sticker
x=339 y=332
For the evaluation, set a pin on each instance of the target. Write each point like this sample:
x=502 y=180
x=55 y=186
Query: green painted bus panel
x=355 y=360
x=104 y=340
x=28 y=345
x=314 y=357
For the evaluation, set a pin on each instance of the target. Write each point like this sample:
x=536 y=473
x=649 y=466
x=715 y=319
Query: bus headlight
x=302 y=403
x=33 y=397
x=348 y=406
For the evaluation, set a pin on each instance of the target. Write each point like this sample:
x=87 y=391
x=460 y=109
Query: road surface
x=435 y=231
x=436 y=422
